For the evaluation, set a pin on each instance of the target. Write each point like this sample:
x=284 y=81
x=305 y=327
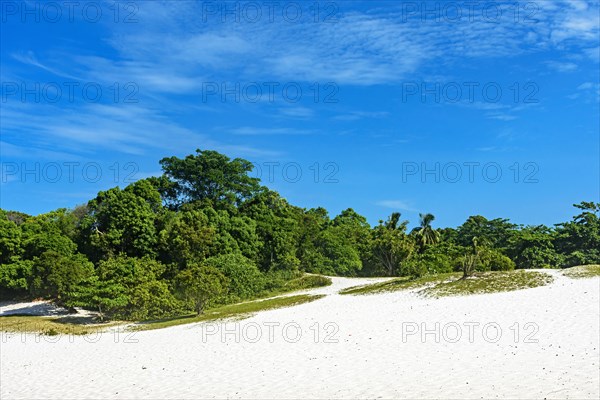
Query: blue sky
x=438 y=107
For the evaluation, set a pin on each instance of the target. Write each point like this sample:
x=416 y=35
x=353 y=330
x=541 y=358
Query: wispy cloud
x=562 y=66
x=589 y=91
x=297 y=112
x=171 y=53
x=357 y=115
x=131 y=129
x=29 y=58
x=256 y=131
x=395 y=204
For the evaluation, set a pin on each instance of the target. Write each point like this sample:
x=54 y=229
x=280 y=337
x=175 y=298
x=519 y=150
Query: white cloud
x=257 y=131
x=297 y=112
x=562 y=66
x=395 y=204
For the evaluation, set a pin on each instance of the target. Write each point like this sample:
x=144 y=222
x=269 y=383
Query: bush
x=152 y=300
x=15 y=277
x=198 y=286
x=499 y=262
x=245 y=280
x=307 y=282
x=276 y=279
x=581 y=258
x=435 y=260
x=57 y=276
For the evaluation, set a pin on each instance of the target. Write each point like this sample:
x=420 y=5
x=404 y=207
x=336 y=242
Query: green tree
x=579 y=239
x=496 y=232
x=187 y=238
x=15 y=277
x=129 y=288
x=233 y=233
x=122 y=221
x=532 y=247
x=277 y=228
x=197 y=285
x=10 y=238
x=391 y=245
x=243 y=277
x=108 y=297
x=208 y=177
x=425 y=234
x=56 y=276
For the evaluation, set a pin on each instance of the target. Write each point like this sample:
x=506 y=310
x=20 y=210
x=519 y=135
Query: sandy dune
x=366 y=347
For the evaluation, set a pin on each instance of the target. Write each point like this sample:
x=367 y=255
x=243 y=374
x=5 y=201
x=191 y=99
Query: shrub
x=198 y=286
x=499 y=262
x=307 y=282
x=245 y=280
x=14 y=277
x=152 y=300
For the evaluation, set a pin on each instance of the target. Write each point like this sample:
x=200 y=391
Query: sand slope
x=372 y=358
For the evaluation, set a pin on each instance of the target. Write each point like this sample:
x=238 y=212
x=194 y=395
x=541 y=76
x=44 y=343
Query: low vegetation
x=50 y=326
x=490 y=282
x=583 y=271
x=403 y=283
x=306 y=282
x=238 y=311
x=453 y=285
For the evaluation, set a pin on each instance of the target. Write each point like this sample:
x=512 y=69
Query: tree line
x=205 y=232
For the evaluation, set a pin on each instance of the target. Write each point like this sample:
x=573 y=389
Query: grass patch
x=50 y=326
x=306 y=282
x=490 y=282
x=282 y=286
x=403 y=283
x=240 y=310
x=450 y=284
x=53 y=326
x=582 y=271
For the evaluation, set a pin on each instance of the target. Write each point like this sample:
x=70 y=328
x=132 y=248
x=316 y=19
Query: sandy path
x=364 y=349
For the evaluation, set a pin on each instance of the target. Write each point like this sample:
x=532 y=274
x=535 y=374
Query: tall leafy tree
x=57 y=276
x=391 y=245
x=197 y=285
x=208 y=177
x=122 y=221
x=10 y=238
x=496 y=232
x=187 y=238
x=532 y=247
x=579 y=239
x=277 y=228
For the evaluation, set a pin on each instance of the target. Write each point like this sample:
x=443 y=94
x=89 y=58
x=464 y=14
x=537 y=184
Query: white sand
x=40 y=307
x=370 y=360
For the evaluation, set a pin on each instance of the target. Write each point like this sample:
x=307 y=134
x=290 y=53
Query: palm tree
x=394 y=223
x=390 y=243
x=425 y=234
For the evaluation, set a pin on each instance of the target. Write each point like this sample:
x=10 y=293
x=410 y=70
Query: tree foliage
x=206 y=233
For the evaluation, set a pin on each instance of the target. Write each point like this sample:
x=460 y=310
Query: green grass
x=490 y=282
x=451 y=285
x=403 y=283
x=50 y=326
x=305 y=282
x=582 y=271
x=239 y=311
x=283 y=286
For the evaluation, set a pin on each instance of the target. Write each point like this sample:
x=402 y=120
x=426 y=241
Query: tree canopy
x=206 y=233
